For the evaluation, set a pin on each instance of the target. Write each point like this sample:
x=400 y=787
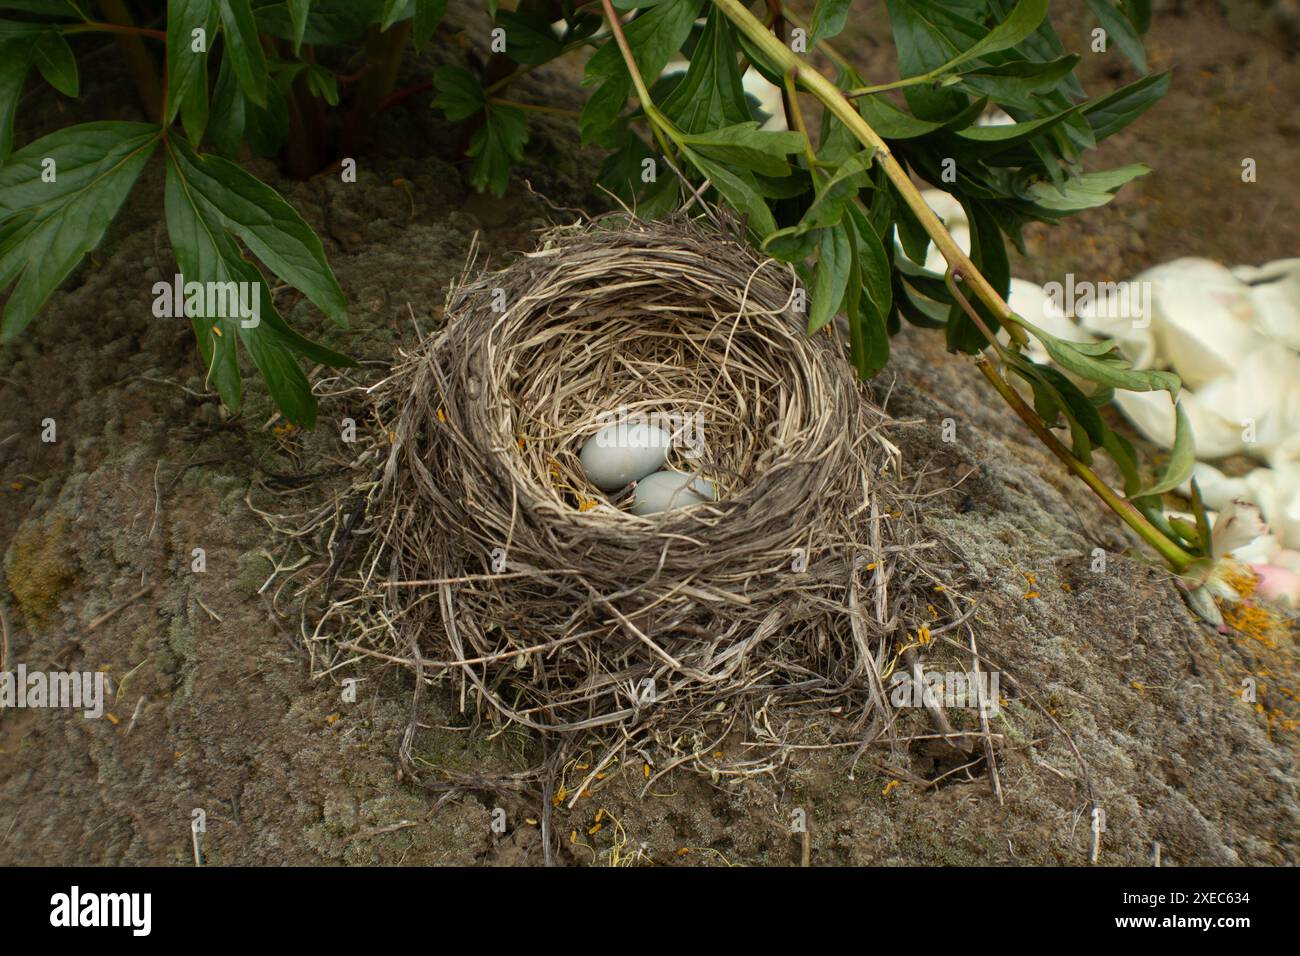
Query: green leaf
x=206 y=252
x=1204 y=536
x=54 y=59
x=748 y=147
x=1021 y=22
x=195 y=105
x=529 y=37
x=868 y=327
x=328 y=23
x=229 y=112
x=890 y=121
x=621 y=170
x=244 y=48
x=298 y=10
x=1112 y=371
x=322 y=83
x=460 y=94
x=873 y=261
x=428 y=14
x=49 y=226
x=496 y=146
x=927 y=35
x=792 y=244
x=269 y=226
x=710 y=95
x=15 y=59
x=828 y=19
x=1054 y=395
x=839 y=191
x=830 y=276
x=1122 y=453
x=1015 y=83
x=989 y=254
x=183 y=62
x=1086 y=190
x=1119 y=28
x=1182 y=458
x=738 y=189
x=1110 y=114
x=988 y=140
x=653 y=38
x=394 y=10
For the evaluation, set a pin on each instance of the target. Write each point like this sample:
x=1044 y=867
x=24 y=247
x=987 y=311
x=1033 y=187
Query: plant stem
x=824 y=45
x=642 y=91
x=795 y=114
x=97 y=26
x=536 y=108
x=1169 y=550
x=1177 y=558
x=384 y=57
x=960 y=266
x=834 y=99
x=896 y=85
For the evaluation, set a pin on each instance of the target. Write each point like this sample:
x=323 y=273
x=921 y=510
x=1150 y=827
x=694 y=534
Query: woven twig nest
x=490 y=561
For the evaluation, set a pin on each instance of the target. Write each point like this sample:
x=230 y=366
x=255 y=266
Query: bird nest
x=475 y=552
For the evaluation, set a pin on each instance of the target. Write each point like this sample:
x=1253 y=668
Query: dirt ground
x=214 y=707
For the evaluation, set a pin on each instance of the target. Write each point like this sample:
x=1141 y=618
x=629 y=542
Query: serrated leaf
x=460 y=93
x=496 y=146
x=428 y=15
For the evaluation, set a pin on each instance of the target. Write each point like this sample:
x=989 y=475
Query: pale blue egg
x=621 y=453
x=669 y=490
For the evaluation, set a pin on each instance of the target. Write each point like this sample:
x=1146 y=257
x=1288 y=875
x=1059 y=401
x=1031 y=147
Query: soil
x=214 y=706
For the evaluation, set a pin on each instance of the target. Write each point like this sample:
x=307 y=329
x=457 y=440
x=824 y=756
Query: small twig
x=109 y=614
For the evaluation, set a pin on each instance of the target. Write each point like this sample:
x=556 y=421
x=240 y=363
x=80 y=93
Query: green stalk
x=961 y=268
x=1177 y=558
x=657 y=120
x=834 y=100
